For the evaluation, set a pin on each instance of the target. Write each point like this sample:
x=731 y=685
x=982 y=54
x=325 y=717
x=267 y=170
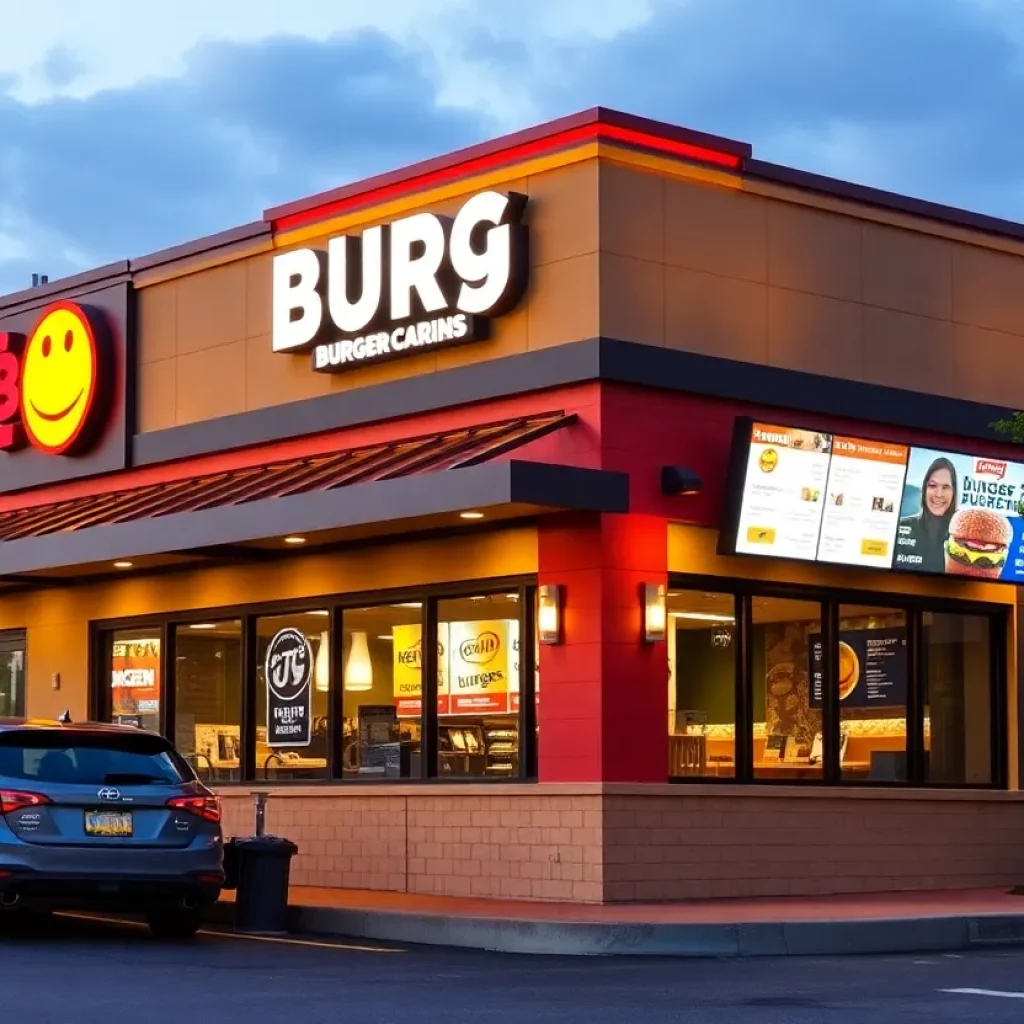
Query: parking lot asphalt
x=88 y=971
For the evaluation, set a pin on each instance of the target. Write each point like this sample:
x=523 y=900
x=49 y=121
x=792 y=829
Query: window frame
x=17 y=640
x=101 y=646
x=831 y=599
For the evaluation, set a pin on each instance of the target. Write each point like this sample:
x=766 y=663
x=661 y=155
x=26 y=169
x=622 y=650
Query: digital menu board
x=817 y=496
x=786 y=474
x=862 y=500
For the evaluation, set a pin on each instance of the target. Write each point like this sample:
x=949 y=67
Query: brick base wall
x=592 y=844
x=704 y=845
x=521 y=844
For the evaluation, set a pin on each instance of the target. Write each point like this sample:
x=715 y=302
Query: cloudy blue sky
x=127 y=127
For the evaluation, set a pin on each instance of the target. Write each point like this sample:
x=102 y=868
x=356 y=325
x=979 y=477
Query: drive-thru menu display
x=862 y=500
x=787 y=474
x=817 y=496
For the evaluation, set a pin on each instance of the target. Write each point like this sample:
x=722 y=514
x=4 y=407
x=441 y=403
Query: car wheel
x=175 y=924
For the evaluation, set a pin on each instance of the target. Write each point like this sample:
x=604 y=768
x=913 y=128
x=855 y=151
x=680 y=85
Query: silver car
x=105 y=817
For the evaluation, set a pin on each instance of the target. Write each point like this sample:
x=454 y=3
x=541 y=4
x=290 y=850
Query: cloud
x=128 y=171
x=61 y=67
x=912 y=95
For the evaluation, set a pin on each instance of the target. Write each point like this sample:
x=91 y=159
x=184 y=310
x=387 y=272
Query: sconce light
x=655 y=615
x=358 y=669
x=549 y=613
x=322 y=665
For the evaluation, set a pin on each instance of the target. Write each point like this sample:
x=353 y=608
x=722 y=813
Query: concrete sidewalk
x=947 y=921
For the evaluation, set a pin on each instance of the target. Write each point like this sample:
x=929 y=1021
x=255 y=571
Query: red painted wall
x=603 y=706
x=643 y=429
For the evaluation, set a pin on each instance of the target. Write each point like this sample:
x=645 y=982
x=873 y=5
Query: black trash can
x=263 y=864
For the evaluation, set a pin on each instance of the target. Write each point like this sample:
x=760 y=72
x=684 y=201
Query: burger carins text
x=988 y=494
x=420 y=281
x=370 y=347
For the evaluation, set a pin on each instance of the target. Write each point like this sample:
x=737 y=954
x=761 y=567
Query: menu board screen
x=823 y=497
x=865 y=485
x=786 y=476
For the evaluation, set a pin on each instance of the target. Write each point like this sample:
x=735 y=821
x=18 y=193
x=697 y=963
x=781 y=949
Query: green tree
x=1011 y=427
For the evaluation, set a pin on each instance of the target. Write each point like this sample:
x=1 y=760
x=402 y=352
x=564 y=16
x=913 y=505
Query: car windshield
x=90 y=759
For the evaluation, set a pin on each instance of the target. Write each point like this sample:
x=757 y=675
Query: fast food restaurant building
x=570 y=517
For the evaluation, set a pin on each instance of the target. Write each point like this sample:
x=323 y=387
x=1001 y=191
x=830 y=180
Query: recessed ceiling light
x=203 y=625
x=295 y=540
x=123 y=564
x=471 y=515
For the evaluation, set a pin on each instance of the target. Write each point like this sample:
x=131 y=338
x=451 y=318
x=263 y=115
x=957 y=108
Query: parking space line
x=280 y=940
x=990 y=992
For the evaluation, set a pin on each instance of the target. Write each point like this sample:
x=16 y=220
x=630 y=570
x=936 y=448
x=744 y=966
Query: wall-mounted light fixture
x=680 y=480
x=358 y=667
x=652 y=596
x=549 y=613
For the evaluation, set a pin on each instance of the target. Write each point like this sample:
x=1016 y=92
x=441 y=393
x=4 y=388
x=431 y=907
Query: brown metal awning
x=425 y=454
x=359 y=492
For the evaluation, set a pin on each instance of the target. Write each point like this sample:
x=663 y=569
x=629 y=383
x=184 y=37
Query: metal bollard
x=260 y=799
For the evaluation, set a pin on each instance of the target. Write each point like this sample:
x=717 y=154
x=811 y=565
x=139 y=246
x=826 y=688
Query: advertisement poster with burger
x=961 y=516
x=872 y=668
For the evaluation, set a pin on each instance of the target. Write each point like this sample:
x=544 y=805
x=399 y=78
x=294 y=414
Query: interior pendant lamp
x=358 y=668
x=322 y=664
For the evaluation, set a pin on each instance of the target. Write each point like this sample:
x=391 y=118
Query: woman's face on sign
x=939 y=492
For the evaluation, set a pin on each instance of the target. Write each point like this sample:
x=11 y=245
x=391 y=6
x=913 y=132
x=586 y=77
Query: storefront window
x=957 y=699
x=873 y=681
x=12 y=674
x=479 y=687
x=702 y=684
x=787 y=708
x=382 y=676
x=293 y=679
x=208 y=675
x=135 y=685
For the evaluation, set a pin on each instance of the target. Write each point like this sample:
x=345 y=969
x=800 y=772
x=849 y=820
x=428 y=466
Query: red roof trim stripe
x=430 y=179
x=421 y=177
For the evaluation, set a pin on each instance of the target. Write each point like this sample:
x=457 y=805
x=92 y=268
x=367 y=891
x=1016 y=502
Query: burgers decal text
x=395 y=289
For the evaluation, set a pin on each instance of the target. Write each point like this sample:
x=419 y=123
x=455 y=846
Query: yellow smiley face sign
x=60 y=375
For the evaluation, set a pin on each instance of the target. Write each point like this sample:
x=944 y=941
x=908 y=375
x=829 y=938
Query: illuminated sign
x=822 y=497
x=395 y=289
x=53 y=383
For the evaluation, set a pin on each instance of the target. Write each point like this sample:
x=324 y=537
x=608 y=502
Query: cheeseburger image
x=978 y=543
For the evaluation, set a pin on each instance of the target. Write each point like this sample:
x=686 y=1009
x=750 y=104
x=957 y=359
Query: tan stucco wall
x=204 y=339
x=767 y=279
x=725 y=267
x=57 y=620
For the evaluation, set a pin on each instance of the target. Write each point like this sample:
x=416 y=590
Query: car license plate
x=108 y=823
